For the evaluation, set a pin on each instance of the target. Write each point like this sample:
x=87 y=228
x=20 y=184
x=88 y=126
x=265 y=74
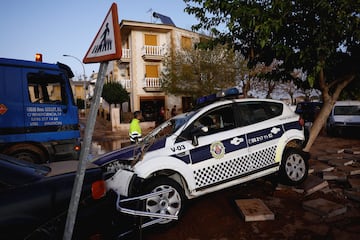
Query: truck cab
x=38 y=116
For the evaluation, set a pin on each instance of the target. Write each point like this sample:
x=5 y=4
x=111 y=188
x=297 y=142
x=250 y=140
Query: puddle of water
x=99 y=148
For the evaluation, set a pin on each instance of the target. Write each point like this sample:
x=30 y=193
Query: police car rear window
x=254 y=112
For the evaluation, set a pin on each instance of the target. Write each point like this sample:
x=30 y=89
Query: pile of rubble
x=331 y=193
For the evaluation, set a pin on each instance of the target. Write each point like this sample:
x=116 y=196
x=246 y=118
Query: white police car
x=221 y=144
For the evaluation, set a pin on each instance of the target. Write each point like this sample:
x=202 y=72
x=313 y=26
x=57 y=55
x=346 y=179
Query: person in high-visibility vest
x=135 y=129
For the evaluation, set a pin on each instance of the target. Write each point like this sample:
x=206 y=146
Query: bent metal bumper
x=121 y=183
x=155 y=217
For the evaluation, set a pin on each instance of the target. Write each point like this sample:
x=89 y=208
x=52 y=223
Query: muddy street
x=217 y=216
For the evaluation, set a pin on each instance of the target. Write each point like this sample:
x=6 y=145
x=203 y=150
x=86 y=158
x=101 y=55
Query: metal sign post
x=85 y=150
x=105 y=47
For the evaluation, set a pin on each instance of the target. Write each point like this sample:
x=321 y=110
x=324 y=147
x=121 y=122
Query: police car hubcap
x=295 y=167
x=168 y=203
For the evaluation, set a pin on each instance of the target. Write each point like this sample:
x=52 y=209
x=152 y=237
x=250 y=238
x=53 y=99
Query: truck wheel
x=27 y=152
x=172 y=203
x=294 y=167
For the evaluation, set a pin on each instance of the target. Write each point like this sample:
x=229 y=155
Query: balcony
x=126 y=83
x=126 y=55
x=152 y=85
x=152 y=53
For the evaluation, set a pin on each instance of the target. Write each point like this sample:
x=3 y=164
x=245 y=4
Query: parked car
x=34 y=199
x=344 y=118
x=308 y=112
x=216 y=146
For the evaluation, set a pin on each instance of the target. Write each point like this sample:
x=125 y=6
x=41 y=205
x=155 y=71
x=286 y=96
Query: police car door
x=263 y=131
x=219 y=144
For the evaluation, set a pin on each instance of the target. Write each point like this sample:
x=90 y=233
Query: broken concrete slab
x=352 y=150
x=281 y=187
x=254 y=210
x=340 y=162
x=313 y=184
x=349 y=170
x=335 y=175
x=354 y=182
x=324 y=208
x=353 y=194
x=320 y=167
x=327 y=157
x=335 y=150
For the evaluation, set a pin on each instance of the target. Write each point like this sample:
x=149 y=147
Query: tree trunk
x=318 y=124
x=328 y=103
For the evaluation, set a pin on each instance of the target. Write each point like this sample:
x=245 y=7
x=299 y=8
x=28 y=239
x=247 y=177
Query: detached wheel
x=294 y=167
x=171 y=203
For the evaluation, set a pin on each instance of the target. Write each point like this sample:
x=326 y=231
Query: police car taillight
x=38 y=57
x=98 y=189
x=301 y=121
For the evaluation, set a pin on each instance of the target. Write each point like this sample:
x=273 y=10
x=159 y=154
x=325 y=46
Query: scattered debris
x=335 y=175
x=313 y=184
x=324 y=208
x=254 y=210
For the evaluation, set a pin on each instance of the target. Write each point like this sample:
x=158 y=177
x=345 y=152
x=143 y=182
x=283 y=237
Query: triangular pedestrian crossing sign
x=107 y=44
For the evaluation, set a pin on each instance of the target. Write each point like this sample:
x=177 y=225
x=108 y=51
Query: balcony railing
x=126 y=83
x=126 y=56
x=126 y=53
x=152 y=84
x=153 y=52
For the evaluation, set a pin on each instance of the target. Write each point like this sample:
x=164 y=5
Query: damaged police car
x=218 y=145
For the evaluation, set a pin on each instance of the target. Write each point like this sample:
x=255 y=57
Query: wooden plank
x=324 y=208
x=254 y=210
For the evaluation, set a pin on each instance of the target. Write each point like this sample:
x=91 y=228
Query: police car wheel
x=294 y=167
x=171 y=203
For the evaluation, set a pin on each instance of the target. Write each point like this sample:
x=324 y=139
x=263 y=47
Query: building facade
x=144 y=46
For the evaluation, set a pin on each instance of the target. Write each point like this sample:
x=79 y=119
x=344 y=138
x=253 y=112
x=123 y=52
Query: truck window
x=46 y=88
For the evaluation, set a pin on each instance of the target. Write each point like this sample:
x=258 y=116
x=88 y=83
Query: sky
x=54 y=28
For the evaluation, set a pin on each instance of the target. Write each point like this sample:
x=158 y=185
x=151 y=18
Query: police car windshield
x=169 y=127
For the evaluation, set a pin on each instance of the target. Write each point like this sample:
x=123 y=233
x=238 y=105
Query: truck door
x=50 y=110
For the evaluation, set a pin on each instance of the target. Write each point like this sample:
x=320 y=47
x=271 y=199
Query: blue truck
x=38 y=117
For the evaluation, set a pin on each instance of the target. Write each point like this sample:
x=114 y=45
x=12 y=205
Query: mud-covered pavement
x=216 y=216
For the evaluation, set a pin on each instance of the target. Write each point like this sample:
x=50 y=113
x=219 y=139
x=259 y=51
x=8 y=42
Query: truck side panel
x=40 y=111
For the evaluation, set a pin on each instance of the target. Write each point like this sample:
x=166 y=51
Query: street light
x=84 y=76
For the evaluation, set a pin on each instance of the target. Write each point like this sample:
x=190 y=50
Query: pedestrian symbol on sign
x=107 y=43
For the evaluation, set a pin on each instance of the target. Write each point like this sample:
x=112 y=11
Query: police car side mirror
x=205 y=129
x=195 y=141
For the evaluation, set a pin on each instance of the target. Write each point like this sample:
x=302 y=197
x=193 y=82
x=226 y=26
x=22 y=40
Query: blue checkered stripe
x=235 y=168
x=240 y=166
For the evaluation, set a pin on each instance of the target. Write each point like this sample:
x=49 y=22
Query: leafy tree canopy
x=307 y=34
x=114 y=93
x=320 y=37
x=199 y=72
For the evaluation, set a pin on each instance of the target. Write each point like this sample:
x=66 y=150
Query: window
x=217 y=120
x=150 y=40
x=186 y=43
x=347 y=110
x=254 y=112
x=152 y=71
x=46 y=88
